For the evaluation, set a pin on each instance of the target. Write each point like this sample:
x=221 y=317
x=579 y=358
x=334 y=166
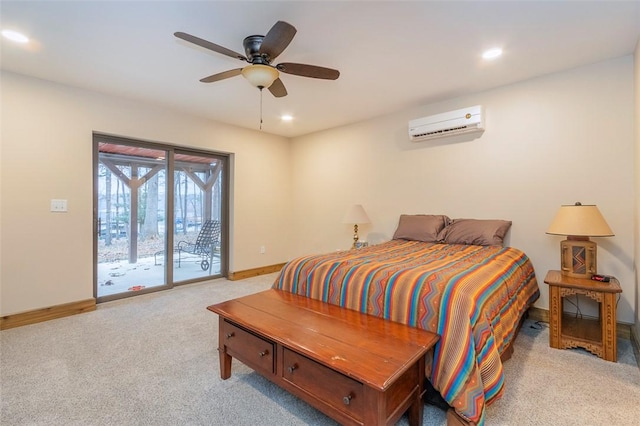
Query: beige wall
x=549 y=141
x=46 y=153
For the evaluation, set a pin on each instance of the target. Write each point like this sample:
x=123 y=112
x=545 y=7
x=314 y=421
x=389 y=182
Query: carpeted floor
x=152 y=360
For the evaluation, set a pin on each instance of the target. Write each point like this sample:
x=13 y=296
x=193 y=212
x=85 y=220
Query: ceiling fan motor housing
x=252 y=46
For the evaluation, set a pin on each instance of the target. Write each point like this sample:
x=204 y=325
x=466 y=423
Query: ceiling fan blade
x=277 y=89
x=221 y=75
x=208 y=45
x=312 y=71
x=277 y=39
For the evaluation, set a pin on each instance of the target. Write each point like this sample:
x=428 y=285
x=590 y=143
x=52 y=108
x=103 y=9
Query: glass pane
x=197 y=214
x=131 y=210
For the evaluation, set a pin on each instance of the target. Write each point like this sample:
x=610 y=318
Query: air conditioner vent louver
x=457 y=122
x=449 y=131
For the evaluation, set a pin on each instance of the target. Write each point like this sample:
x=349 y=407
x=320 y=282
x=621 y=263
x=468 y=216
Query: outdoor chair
x=205 y=245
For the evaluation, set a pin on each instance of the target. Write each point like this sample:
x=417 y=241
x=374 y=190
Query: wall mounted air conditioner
x=466 y=120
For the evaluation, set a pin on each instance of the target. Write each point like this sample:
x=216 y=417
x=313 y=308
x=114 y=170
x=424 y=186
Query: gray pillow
x=420 y=227
x=475 y=231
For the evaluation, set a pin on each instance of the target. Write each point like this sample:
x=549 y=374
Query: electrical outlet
x=263 y=249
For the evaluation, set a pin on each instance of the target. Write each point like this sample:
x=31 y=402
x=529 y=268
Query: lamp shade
x=580 y=221
x=261 y=76
x=356 y=214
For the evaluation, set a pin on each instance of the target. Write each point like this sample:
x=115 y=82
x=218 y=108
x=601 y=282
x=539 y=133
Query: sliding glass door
x=160 y=216
x=198 y=199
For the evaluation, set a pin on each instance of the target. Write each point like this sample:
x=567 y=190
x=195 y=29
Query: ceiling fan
x=260 y=51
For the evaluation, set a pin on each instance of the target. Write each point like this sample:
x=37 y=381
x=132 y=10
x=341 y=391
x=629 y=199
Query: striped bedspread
x=472 y=296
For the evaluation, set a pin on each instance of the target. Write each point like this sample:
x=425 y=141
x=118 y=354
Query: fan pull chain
x=261 y=108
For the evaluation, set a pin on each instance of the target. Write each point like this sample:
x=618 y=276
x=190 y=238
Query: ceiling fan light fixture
x=260 y=76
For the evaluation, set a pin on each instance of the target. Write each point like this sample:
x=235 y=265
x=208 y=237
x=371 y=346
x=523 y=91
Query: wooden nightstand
x=567 y=331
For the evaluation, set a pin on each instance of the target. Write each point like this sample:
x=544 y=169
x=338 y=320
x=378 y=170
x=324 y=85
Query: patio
x=120 y=276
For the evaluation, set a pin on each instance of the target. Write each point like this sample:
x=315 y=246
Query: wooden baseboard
x=46 y=314
x=538 y=314
x=248 y=273
x=635 y=342
x=67 y=309
x=623 y=330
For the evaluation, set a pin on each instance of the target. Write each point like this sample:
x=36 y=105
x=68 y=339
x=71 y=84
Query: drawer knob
x=347 y=399
x=264 y=353
x=293 y=367
x=230 y=335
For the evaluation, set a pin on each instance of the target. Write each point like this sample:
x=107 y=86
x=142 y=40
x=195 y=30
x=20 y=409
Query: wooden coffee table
x=356 y=368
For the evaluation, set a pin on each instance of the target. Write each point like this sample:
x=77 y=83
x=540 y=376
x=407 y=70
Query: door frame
x=225 y=175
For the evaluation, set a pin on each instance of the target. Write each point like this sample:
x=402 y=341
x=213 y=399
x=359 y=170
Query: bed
x=451 y=277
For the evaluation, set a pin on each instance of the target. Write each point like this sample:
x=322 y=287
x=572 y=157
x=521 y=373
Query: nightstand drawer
x=331 y=387
x=249 y=348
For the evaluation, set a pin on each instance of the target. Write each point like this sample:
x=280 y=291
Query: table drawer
x=247 y=347
x=331 y=387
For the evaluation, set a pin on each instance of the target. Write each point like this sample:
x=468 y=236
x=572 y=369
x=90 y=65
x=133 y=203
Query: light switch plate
x=58 y=205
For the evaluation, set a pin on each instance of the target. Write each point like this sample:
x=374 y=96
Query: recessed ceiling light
x=492 y=53
x=15 y=36
x=286 y=117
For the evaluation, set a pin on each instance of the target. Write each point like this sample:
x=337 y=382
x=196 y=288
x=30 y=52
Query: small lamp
x=577 y=253
x=356 y=215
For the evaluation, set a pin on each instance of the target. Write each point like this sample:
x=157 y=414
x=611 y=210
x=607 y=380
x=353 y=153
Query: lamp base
x=355 y=236
x=578 y=257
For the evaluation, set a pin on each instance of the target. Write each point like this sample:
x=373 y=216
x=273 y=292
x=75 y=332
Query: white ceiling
x=391 y=55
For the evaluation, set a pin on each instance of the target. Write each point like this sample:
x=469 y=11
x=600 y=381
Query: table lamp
x=356 y=214
x=577 y=253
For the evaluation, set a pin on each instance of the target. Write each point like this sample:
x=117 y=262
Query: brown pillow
x=420 y=227
x=475 y=231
